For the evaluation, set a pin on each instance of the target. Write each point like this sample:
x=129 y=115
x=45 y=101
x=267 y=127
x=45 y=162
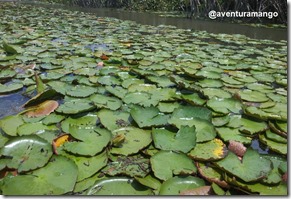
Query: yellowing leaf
x=42 y=109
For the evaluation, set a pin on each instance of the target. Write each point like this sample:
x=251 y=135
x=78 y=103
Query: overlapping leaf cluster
x=138 y=109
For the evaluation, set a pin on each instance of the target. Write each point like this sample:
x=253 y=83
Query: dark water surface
x=211 y=26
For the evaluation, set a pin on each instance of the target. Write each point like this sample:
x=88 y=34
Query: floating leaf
x=83 y=121
x=88 y=166
x=273 y=145
x=113 y=120
x=253 y=96
x=178 y=184
x=133 y=166
x=211 y=150
x=34 y=128
x=90 y=141
x=149 y=116
x=118 y=186
x=45 y=108
x=102 y=101
x=225 y=105
x=75 y=106
x=81 y=91
x=57 y=177
x=11 y=87
x=26 y=152
x=237 y=148
x=203 y=190
x=184 y=140
x=149 y=181
x=165 y=164
x=135 y=139
x=252 y=168
x=10 y=124
x=40 y=97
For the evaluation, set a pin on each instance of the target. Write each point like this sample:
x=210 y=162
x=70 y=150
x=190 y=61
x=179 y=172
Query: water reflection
x=212 y=26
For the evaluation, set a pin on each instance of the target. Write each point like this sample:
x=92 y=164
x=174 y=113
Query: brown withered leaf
x=45 y=108
x=236 y=147
x=204 y=190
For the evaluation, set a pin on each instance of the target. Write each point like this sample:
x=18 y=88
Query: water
x=11 y=104
x=211 y=26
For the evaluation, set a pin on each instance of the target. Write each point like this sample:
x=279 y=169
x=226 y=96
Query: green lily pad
x=220 y=121
x=88 y=166
x=90 y=141
x=134 y=140
x=215 y=92
x=82 y=186
x=118 y=91
x=177 y=184
x=53 y=118
x=82 y=121
x=118 y=186
x=133 y=166
x=149 y=181
x=6 y=74
x=81 y=91
x=251 y=168
x=194 y=116
x=34 y=128
x=161 y=81
x=11 y=49
x=165 y=164
x=167 y=107
x=212 y=174
x=9 y=124
x=193 y=99
x=102 y=101
x=260 y=188
x=274 y=176
x=184 y=140
x=273 y=145
x=108 y=80
x=26 y=152
x=57 y=177
x=113 y=120
x=227 y=134
x=211 y=150
x=140 y=98
x=252 y=96
x=225 y=105
x=40 y=97
x=75 y=106
x=149 y=116
x=11 y=87
x=275 y=137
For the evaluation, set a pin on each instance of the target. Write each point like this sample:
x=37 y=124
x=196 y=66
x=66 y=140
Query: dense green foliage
x=201 y=8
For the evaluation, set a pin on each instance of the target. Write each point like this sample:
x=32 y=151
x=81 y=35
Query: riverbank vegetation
x=201 y=8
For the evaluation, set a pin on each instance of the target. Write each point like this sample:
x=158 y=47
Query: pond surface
x=211 y=26
x=167 y=106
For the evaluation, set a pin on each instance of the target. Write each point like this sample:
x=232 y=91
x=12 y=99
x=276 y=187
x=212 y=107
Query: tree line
x=196 y=8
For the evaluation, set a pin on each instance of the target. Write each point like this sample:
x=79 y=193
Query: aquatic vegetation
x=119 y=108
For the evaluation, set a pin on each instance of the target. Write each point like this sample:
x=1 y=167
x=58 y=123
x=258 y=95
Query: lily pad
x=273 y=145
x=90 y=141
x=9 y=124
x=45 y=108
x=83 y=121
x=134 y=140
x=88 y=166
x=102 y=101
x=252 y=168
x=140 y=98
x=11 y=87
x=211 y=150
x=113 y=120
x=57 y=177
x=165 y=164
x=252 y=96
x=225 y=105
x=133 y=166
x=34 y=128
x=184 y=140
x=26 y=152
x=178 y=184
x=75 y=106
x=233 y=134
x=81 y=91
x=149 y=116
x=118 y=186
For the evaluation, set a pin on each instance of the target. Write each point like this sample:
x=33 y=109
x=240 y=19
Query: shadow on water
x=211 y=26
x=11 y=104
